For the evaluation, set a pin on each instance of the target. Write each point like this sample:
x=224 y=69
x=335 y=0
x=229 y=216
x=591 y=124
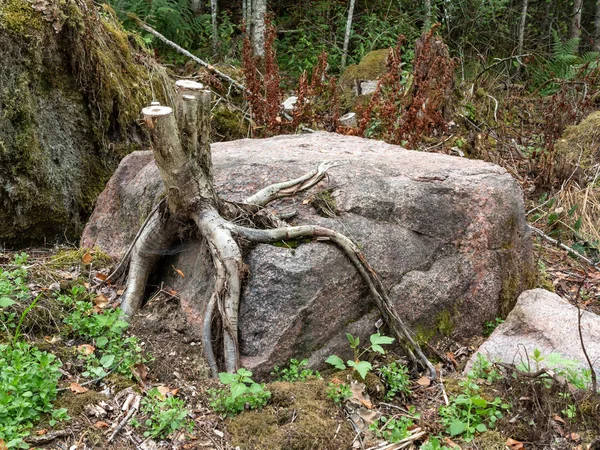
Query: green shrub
x=469 y=413
x=243 y=393
x=339 y=393
x=362 y=367
x=165 y=414
x=105 y=329
x=28 y=382
x=392 y=429
x=295 y=372
x=396 y=380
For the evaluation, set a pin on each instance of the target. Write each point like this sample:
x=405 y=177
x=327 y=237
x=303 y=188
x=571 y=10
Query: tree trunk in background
x=347 y=35
x=575 y=31
x=258 y=28
x=522 y=23
x=215 y=28
x=427 y=18
x=196 y=6
x=597 y=28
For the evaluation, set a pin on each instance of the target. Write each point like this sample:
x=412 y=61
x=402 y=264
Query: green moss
x=75 y=403
x=371 y=67
x=72 y=257
x=491 y=440
x=228 y=124
x=69 y=102
x=19 y=17
x=444 y=326
x=292 y=243
x=579 y=147
x=300 y=417
x=325 y=204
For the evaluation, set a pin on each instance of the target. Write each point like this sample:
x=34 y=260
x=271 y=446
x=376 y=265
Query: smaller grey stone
x=543 y=320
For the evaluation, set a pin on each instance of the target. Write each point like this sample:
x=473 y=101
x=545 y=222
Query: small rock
x=542 y=320
x=348 y=120
x=289 y=103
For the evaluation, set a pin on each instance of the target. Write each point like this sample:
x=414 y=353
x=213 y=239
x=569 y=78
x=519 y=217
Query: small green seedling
x=362 y=367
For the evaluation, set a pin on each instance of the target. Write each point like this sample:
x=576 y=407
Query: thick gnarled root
x=181 y=148
x=228 y=262
x=154 y=238
x=291 y=187
x=358 y=259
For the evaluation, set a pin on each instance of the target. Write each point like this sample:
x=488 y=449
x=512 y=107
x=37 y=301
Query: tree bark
x=427 y=17
x=215 y=29
x=575 y=31
x=521 y=38
x=196 y=6
x=347 y=34
x=596 y=46
x=258 y=28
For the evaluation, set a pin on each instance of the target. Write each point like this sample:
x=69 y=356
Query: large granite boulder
x=543 y=320
x=447 y=236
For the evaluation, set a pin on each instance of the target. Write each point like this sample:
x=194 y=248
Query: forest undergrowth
x=107 y=384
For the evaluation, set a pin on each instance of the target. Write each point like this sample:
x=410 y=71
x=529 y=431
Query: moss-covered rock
x=72 y=83
x=578 y=149
x=371 y=67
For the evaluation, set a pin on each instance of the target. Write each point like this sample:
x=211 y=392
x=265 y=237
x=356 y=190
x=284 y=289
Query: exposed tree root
x=182 y=153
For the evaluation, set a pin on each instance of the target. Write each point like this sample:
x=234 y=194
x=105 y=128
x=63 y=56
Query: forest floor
x=145 y=386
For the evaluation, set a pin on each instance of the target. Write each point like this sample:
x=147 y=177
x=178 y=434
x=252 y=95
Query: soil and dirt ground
x=299 y=415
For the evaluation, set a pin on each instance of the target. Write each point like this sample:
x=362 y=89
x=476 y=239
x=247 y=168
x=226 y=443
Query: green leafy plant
x=13 y=291
x=491 y=325
x=392 y=429
x=339 y=393
x=469 y=413
x=396 y=380
x=569 y=369
x=113 y=351
x=28 y=383
x=296 y=371
x=362 y=367
x=434 y=443
x=243 y=393
x=165 y=414
x=484 y=369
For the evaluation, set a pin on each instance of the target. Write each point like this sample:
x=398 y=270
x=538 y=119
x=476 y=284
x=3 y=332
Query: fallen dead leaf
x=358 y=395
x=120 y=291
x=558 y=419
x=163 y=390
x=86 y=349
x=41 y=432
x=179 y=272
x=52 y=340
x=101 y=424
x=87 y=258
x=77 y=389
x=452 y=444
x=424 y=381
x=514 y=444
x=575 y=437
x=140 y=372
x=101 y=276
x=3 y=445
x=101 y=301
